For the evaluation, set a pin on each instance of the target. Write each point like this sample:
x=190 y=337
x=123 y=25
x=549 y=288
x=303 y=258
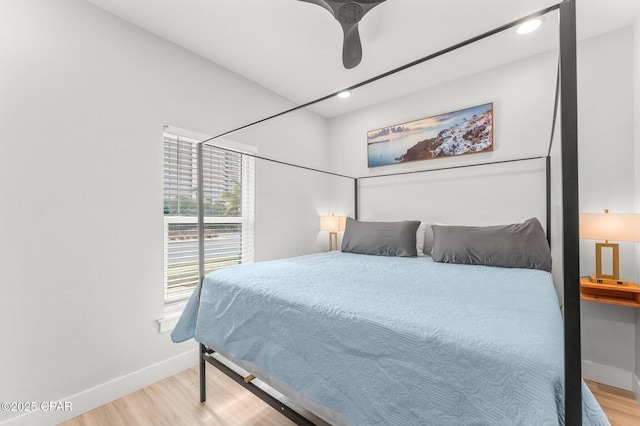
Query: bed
x=394 y=340
x=572 y=404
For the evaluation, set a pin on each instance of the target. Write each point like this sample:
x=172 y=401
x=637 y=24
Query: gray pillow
x=380 y=238
x=521 y=245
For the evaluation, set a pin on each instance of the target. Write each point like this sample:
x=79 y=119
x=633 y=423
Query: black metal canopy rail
x=566 y=91
x=356 y=180
x=456 y=46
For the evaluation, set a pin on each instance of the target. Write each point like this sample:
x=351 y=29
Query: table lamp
x=609 y=226
x=333 y=224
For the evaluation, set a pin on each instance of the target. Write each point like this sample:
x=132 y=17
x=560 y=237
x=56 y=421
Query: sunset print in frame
x=467 y=131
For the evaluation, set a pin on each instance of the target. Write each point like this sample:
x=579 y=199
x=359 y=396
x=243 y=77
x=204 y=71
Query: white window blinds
x=228 y=210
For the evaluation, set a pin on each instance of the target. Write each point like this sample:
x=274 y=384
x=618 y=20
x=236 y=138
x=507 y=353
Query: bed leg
x=203 y=381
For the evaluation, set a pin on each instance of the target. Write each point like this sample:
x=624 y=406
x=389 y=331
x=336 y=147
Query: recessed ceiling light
x=529 y=26
x=344 y=94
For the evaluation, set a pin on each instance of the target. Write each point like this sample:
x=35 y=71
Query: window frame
x=173 y=306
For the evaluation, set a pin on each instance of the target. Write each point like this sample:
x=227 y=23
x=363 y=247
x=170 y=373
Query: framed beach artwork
x=467 y=131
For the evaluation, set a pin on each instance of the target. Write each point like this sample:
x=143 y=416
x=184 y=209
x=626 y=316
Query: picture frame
x=461 y=132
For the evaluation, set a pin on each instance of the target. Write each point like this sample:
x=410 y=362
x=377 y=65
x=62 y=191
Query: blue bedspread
x=397 y=341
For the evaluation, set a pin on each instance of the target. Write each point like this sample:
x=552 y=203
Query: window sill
x=171 y=316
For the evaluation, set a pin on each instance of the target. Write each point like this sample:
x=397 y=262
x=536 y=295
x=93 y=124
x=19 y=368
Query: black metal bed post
x=570 y=217
x=548 y=178
x=201 y=351
x=548 y=160
x=203 y=376
x=356 y=202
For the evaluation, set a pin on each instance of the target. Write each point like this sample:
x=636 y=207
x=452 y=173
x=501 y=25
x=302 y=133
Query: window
x=228 y=209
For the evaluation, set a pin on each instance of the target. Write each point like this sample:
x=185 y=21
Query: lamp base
x=615 y=261
x=608 y=281
x=333 y=241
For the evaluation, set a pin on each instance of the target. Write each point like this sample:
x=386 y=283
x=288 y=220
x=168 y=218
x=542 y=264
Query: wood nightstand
x=623 y=295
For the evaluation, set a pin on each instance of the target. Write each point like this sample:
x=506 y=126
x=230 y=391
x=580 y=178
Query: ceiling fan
x=348 y=14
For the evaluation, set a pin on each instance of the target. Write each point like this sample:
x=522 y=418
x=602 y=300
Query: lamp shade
x=332 y=223
x=610 y=226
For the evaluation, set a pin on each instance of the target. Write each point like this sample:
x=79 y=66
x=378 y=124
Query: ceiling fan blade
x=352 y=47
x=348 y=13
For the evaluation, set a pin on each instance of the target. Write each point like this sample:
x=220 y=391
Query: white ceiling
x=294 y=48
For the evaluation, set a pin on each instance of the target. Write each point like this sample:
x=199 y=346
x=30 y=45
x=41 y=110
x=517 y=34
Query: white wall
x=290 y=200
x=606 y=173
x=83 y=100
x=522 y=94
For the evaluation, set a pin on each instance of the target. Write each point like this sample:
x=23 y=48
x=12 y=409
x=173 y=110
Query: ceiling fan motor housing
x=350 y=13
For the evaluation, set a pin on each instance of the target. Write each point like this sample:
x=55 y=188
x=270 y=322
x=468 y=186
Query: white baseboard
x=607 y=375
x=635 y=387
x=107 y=392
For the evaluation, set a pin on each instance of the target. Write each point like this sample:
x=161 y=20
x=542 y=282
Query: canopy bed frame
x=566 y=103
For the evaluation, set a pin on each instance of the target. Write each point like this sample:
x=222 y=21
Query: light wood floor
x=619 y=405
x=175 y=401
